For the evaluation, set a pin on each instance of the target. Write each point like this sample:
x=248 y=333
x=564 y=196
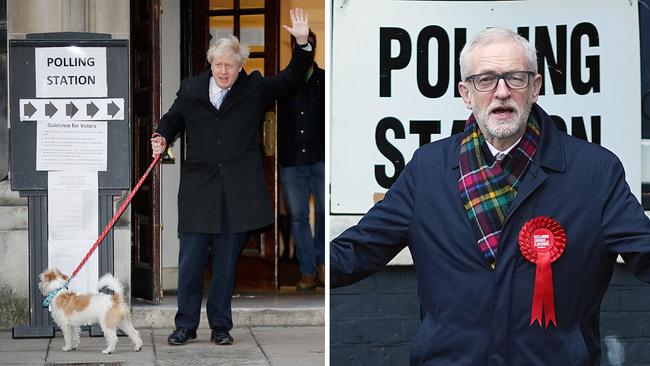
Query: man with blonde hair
x=228 y=46
x=513 y=226
x=222 y=194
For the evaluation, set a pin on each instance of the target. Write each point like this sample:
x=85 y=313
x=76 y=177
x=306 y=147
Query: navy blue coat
x=474 y=315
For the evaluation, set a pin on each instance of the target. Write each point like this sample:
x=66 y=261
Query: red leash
x=115 y=217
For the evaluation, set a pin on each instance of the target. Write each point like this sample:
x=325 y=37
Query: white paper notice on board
x=70 y=72
x=73 y=204
x=73 y=224
x=71 y=145
x=67 y=254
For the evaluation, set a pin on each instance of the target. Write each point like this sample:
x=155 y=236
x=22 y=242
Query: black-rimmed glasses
x=489 y=80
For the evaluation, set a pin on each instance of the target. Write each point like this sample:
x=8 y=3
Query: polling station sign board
x=395 y=72
x=69 y=103
x=71 y=71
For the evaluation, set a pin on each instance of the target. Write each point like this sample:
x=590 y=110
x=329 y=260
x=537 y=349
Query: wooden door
x=255 y=23
x=145 y=207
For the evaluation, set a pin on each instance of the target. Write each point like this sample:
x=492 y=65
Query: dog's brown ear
x=65 y=277
x=50 y=276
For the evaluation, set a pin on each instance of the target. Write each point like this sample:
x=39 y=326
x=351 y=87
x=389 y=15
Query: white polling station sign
x=398 y=90
x=70 y=72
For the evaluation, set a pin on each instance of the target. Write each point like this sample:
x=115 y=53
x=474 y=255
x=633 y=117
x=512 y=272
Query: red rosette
x=542 y=241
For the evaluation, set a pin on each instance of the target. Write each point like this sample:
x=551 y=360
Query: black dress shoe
x=221 y=337
x=181 y=336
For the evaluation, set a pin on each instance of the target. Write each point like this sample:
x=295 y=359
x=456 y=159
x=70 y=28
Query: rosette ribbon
x=542 y=241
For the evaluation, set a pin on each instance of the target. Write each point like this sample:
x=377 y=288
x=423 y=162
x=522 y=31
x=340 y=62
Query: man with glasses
x=513 y=226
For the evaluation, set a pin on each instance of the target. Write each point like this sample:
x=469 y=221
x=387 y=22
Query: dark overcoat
x=474 y=315
x=223 y=159
x=301 y=123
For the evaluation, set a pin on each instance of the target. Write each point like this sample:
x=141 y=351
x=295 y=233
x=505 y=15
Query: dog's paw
x=107 y=351
x=137 y=348
x=68 y=348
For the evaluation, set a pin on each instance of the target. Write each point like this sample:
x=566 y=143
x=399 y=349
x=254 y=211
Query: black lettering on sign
x=424 y=129
x=556 y=62
x=559 y=123
x=387 y=63
x=592 y=63
x=578 y=127
x=460 y=38
x=458 y=126
x=71 y=80
x=523 y=31
x=388 y=150
x=425 y=36
x=70 y=61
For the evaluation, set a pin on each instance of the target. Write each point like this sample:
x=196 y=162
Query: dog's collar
x=52 y=294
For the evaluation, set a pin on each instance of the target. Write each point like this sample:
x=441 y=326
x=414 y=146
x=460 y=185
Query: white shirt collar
x=214 y=90
x=496 y=151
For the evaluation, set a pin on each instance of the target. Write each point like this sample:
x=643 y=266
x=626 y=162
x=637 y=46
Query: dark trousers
x=193 y=255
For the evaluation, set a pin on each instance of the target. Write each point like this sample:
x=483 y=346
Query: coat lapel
x=235 y=93
x=231 y=98
x=549 y=155
x=202 y=89
x=533 y=179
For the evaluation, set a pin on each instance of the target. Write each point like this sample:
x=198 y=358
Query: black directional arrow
x=29 y=110
x=71 y=110
x=112 y=109
x=50 y=109
x=91 y=109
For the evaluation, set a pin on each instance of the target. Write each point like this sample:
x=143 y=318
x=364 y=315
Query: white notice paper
x=73 y=225
x=71 y=145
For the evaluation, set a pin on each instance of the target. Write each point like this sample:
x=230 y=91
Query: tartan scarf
x=488 y=186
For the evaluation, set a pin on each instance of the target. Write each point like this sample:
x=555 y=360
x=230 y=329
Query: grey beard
x=507 y=128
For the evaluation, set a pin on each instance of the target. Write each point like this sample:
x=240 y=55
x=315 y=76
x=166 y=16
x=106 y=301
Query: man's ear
x=464 y=93
x=537 y=86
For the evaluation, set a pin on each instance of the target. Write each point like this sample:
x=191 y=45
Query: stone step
x=284 y=308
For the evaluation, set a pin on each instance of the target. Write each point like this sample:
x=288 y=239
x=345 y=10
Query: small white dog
x=70 y=311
